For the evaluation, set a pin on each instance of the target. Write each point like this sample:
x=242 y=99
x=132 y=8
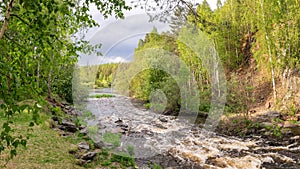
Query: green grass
x=112 y=138
x=45 y=147
x=98 y=96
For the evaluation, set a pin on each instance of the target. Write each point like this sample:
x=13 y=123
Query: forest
x=256 y=41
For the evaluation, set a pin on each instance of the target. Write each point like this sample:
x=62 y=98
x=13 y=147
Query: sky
x=119 y=37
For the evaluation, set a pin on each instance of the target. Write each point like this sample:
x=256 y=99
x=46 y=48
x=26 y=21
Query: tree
x=38 y=39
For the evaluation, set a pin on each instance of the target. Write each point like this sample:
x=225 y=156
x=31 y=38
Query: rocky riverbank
x=173 y=143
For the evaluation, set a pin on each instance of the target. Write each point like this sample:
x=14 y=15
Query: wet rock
x=117 y=130
x=147 y=132
x=101 y=126
x=160 y=126
x=88 y=156
x=119 y=121
x=123 y=125
x=84 y=145
x=164 y=120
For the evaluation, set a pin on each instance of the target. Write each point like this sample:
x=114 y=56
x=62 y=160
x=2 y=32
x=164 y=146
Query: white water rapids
x=151 y=134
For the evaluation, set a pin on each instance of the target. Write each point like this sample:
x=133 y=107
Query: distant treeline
x=105 y=74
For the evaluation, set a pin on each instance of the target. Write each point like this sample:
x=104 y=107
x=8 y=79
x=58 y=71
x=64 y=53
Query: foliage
x=112 y=138
x=102 y=96
x=105 y=73
x=260 y=33
x=38 y=42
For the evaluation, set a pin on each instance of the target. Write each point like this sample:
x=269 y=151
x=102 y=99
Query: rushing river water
x=177 y=144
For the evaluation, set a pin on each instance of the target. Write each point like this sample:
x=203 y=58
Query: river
x=175 y=143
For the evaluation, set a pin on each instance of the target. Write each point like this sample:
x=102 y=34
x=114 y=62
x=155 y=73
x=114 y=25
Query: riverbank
x=58 y=141
x=45 y=147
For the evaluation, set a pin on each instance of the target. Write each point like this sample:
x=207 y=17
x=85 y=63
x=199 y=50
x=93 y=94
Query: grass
x=45 y=147
x=98 y=96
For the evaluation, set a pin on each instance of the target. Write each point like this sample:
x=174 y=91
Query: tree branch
x=190 y=7
x=7 y=16
x=17 y=16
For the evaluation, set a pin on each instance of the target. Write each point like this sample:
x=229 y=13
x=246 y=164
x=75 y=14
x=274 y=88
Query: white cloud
x=97 y=60
x=117 y=59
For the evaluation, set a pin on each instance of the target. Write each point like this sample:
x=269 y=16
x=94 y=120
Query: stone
x=164 y=120
x=288 y=124
x=274 y=114
x=84 y=145
x=160 y=126
x=295 y=138
x=81 y=127
x=99 y=144
x=84 y=131
x=266 y=124
x=68 y=126
x=119 y=121
x=117 y=130
x=88 y=156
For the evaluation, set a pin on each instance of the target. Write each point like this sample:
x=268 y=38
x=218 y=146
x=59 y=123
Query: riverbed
x=175 y=143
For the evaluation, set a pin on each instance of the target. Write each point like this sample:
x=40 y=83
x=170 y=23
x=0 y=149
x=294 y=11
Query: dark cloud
x=120 y=38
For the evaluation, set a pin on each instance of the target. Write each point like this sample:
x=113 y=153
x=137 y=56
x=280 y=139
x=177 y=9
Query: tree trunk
x=7 y=16
x=38 y=73
x=269 y=51
x=49 y=84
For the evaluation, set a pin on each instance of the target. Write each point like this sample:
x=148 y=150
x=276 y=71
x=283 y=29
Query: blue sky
x=119 y=37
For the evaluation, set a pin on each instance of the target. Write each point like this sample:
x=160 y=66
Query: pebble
x=295 y=138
